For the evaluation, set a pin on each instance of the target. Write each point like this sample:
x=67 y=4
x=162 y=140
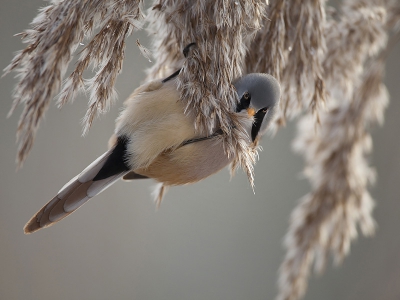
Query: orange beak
x=251 y=111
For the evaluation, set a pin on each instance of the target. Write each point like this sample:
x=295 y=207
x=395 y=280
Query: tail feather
x=73 y=195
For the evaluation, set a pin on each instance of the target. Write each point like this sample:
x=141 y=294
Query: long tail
x=98 y=176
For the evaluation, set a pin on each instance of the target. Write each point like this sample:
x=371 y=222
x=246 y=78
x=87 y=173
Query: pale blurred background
x=212 y=240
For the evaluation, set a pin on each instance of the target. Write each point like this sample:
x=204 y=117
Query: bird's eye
x=264 y=110
x=244 y=102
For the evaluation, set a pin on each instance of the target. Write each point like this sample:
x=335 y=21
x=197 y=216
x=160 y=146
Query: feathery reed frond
x=326 y=219
x=318 y=59
x=219 y=29
x=291 y=47
x=54 y=36
x=302 y=75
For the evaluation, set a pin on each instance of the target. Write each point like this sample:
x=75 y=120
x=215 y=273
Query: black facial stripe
x=244 y=103
x=258 y=119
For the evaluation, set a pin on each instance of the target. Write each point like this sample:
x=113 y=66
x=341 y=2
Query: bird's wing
x=155 y=121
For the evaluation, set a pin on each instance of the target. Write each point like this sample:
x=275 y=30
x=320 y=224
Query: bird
x=155 y=138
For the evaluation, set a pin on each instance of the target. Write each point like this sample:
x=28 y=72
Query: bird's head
x=259 y=97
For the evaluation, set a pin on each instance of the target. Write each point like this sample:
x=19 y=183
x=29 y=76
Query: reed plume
x=330 y=65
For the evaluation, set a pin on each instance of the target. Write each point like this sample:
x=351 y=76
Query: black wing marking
x=171 y=76
x=133 y=176
x=176 y=73
x=116 y=162
x=191 y=141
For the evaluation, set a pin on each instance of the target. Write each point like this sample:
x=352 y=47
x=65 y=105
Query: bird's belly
x=187 y=164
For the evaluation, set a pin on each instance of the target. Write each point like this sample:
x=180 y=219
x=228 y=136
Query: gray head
x=259 y=94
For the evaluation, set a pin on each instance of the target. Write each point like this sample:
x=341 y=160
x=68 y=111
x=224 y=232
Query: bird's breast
x=189 y=163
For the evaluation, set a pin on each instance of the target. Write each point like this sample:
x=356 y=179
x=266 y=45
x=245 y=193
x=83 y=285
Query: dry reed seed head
x=305 y=39
x=295 y=56
x=219 y=29
x=106 y=52
x=325 y=221
x=263 y=56
x=54 y=35
x=143 y=50
x=393 y=18
x=42 y=64
x=372 y=96
x=106 y=45
x=166 y=49
x=343 y=160
x=101 y=86
x=363 y=29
